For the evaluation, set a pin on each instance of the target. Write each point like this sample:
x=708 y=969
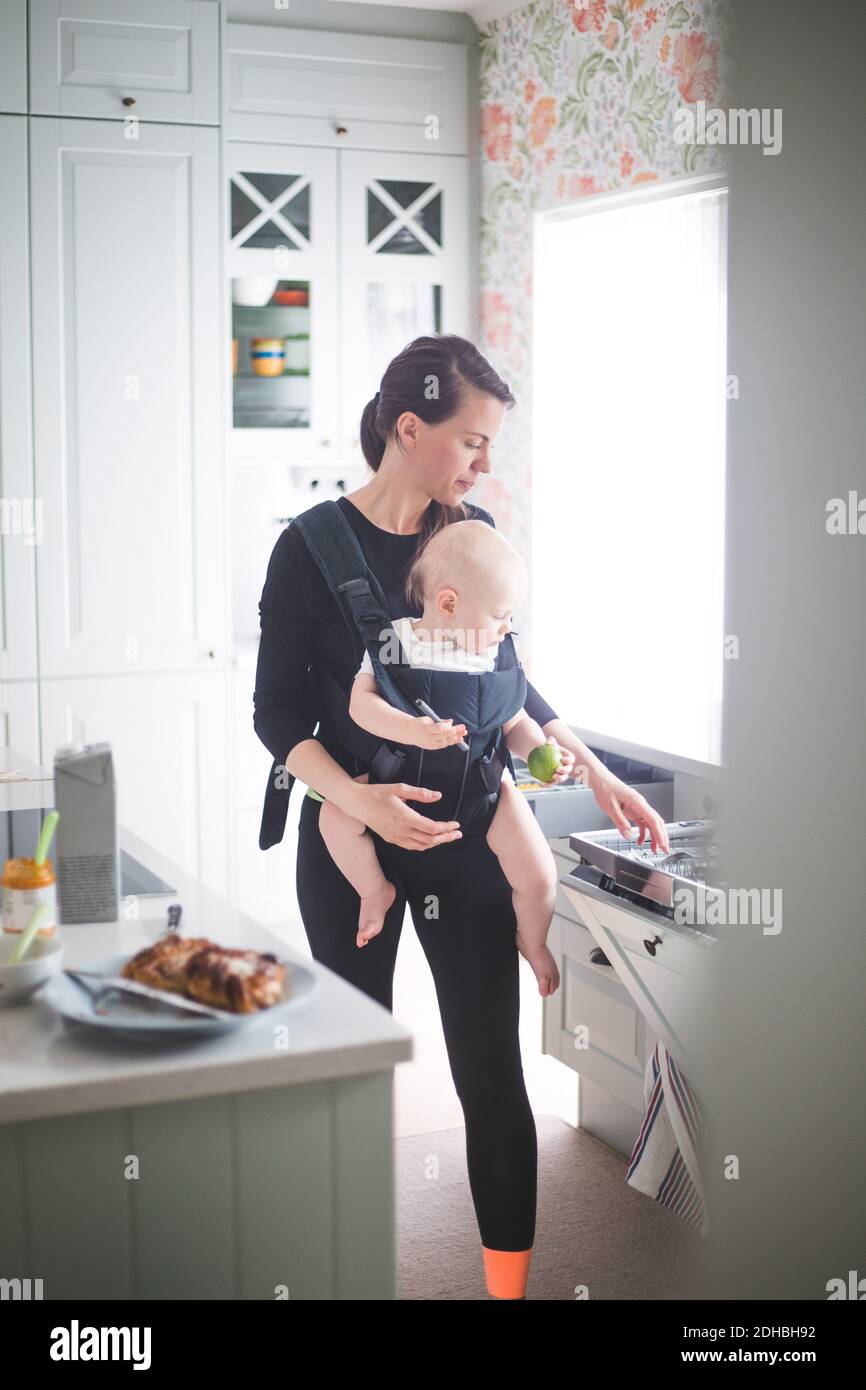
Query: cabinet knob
x=341 y=130
x=128 y=101
x=325 y=443
x=651 y=945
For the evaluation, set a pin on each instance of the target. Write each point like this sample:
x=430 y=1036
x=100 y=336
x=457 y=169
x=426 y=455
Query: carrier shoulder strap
x=337 y=552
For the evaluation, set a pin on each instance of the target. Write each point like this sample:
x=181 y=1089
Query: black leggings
x=461 y=906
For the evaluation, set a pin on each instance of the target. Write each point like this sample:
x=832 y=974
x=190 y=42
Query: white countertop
x=49 y=1067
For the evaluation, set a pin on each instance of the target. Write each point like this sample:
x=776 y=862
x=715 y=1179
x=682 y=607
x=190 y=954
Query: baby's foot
x=543 y=964
x=374 y=909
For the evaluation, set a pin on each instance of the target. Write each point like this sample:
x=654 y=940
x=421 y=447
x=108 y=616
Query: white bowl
x=43 y=959
x=253 y=291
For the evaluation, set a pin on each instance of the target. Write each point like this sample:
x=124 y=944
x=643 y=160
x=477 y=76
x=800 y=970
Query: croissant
x=163 y=965
x=235 y=980
x=240 y=981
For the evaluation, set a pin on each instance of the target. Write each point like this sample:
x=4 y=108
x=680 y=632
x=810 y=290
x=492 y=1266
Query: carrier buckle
x=355 y=588
x=386 y=763
x=490 y=770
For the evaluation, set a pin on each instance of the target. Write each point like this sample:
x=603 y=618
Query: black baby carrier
x=482 y=701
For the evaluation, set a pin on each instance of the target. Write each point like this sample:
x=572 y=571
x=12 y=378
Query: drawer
x=591 y=997
x=155 y=59
x=671 y=987
x=562 y=810
x=681 y=950
x=352 y=91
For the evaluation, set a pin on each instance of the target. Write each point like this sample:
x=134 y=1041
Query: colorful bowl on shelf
x=234 y=356
x=292 y=297
x=268 y=356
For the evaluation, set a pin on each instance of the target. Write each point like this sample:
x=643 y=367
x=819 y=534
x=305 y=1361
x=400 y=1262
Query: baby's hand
x=428 y=734
x=566 y=767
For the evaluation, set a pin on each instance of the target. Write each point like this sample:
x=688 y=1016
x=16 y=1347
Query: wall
x=787 y=1054
x=576 y=101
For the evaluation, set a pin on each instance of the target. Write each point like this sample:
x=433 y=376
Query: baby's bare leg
x=354 y=854
x=515 y=837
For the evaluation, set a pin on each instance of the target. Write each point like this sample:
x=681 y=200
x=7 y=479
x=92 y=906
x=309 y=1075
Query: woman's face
x=447 y=459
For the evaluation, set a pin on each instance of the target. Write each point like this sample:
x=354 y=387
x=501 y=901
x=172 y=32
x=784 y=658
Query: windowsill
x=671 y=762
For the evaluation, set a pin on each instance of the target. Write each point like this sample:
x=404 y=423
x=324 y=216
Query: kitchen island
x=254 y=1164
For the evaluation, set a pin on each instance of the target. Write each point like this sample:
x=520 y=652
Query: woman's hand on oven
x=623 y=805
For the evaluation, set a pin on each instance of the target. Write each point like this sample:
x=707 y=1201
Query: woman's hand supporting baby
x=382 y=806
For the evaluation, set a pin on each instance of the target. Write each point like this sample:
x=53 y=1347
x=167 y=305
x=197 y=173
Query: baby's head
x=468 y=581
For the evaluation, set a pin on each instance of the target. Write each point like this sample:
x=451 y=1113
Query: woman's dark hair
x=430 y=377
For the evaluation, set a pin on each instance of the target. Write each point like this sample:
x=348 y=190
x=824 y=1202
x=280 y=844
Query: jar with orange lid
x=26 y=885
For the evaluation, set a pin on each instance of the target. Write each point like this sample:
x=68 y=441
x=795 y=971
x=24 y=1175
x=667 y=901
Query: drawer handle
x=127 y=101
x=598 y=957
x=341 y=130
x=651 y=945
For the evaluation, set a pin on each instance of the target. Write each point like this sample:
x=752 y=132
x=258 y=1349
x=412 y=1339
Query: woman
x=427 y=436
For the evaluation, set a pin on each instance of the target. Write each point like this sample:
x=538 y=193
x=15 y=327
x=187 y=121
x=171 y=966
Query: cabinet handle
x=325 y=443
x=651 y=945
x=341 y=130
x=128 y=101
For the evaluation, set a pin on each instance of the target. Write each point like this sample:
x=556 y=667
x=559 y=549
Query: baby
x=469 y=581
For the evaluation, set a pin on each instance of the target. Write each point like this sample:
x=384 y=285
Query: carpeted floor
x=592 y=1229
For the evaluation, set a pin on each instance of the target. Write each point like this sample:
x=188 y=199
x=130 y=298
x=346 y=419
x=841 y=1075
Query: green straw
x=45 y=836
x=28 y=934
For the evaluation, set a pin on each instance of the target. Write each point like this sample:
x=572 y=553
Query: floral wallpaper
x=577 y=99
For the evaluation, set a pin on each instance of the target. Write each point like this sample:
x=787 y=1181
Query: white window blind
x=628 y=469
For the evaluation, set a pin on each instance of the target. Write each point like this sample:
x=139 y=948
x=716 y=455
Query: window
x=628 y=475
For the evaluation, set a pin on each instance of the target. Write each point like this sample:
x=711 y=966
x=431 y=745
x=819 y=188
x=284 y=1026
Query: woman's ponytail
x=372 y=443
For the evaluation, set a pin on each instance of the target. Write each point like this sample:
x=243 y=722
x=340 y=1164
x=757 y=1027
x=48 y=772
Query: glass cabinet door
x=282 y=289
x=405 y=264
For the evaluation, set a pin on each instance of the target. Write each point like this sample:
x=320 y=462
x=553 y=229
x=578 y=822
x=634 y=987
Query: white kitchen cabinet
x=281 y=268
x=169 y=737
x=19 y=717
x=666 y=968
x=128 y=419
x=404 y=265
x=157 y=60
x=391 y=230
x=13 y=55
x=594 y=1025
x=351 y=91
x=21 y=512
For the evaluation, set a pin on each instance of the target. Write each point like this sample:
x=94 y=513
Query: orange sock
x=506 y=1271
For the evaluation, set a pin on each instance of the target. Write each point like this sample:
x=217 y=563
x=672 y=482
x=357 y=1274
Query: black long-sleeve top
x=302 y=625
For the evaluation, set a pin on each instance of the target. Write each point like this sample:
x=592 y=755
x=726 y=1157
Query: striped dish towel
x=665 y=1162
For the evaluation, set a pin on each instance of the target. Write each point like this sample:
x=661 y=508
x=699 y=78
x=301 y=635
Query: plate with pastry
x=179 y=985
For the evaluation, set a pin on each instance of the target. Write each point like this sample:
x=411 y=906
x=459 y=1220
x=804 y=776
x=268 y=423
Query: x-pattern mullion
x=404 y=217
x=270 y=212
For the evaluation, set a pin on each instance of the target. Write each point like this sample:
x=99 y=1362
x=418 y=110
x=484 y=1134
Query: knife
x=89 y=978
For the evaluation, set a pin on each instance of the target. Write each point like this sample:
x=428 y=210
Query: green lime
x=543 y=762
